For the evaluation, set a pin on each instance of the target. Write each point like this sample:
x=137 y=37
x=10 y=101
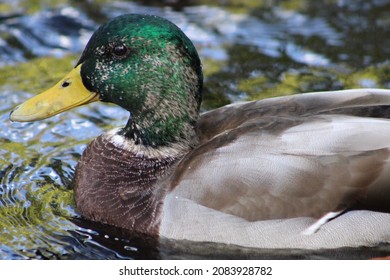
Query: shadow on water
x=112 y=243
x=250 y=50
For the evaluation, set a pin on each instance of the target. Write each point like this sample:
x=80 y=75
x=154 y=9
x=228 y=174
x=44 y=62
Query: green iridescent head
x=134 y=56
x=143 y=63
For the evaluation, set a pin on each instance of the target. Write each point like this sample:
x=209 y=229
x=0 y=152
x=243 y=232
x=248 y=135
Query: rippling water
x=249 y=51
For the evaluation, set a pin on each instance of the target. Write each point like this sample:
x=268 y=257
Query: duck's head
x=146 y=65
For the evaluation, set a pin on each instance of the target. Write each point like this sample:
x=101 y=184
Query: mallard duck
x=303 y=171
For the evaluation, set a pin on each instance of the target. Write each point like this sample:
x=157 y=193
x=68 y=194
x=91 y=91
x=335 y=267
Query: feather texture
x=283 y=158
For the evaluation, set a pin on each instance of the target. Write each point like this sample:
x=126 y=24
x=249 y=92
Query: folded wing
x=303 y=155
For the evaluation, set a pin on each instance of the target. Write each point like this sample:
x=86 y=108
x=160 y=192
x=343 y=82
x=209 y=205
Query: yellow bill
x=66 y=94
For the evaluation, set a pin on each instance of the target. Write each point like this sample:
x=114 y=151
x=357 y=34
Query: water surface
x=250 y=50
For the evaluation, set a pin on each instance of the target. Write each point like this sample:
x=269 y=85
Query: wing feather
x=289 y=164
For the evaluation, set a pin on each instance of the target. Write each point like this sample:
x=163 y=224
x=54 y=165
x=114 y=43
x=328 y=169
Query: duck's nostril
x=65 y=84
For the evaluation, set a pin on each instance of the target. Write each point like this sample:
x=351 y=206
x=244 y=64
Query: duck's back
x=290 y=157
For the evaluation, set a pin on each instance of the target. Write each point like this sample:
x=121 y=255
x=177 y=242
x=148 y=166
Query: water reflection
x=250 y=50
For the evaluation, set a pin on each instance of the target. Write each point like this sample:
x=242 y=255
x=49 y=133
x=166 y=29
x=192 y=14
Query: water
x=251 y=50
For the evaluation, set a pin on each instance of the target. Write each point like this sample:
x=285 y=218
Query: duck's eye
x=120 y=50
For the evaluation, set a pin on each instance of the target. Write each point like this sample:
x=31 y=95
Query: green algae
x=37 y=74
